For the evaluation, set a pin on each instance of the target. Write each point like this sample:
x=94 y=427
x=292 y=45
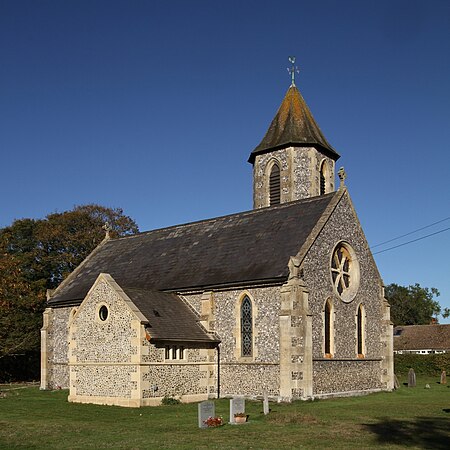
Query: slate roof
x=169 y=317
x=250 y=247
x=293 y=125
x=422 y=337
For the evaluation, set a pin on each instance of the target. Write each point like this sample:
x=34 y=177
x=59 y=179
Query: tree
x=21 y=305
x=36 y=255
x=413 y=305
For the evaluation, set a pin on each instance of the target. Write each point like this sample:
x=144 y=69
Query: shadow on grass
x=422 y=432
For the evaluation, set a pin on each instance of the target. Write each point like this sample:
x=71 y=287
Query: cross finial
x=107 y=227
x=342 y=175
x=293 y=69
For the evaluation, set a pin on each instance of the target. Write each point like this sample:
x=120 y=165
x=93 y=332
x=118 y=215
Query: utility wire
x=414 y=240
x=411 y=232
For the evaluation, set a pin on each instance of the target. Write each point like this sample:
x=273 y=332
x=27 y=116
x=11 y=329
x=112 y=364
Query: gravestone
x=237 y=405
x=396 y=383
x=443 y=377
x=266 y=404
x=411 y=378
x=205 y=410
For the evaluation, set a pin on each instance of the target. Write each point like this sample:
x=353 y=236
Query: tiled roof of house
x=248 y=247
x=422 y=337
x=169 y=318
x=293 y=125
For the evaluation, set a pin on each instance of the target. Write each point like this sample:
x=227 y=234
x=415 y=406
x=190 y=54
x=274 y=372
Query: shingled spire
x=294 y=160
x=293 y=126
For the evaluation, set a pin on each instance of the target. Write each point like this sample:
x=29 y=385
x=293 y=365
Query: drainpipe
x=218 y=371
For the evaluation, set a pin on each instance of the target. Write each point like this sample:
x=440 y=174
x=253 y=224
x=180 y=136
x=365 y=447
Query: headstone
x=237 y=405
x=266 y=404
x=443 y=377
x=205 y=410
x=411 y=378
x=396 y=383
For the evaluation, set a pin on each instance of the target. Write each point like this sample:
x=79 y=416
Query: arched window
x=360 y=331
x=246 y=327
x=322 y=189
x=328 y=329
x=274 y=186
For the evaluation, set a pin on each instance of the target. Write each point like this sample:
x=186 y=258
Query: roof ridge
x=211 y=219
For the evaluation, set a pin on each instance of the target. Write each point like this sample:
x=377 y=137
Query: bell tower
x=294 y=160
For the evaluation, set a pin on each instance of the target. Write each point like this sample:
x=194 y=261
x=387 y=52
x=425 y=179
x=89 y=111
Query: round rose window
x=345 y=272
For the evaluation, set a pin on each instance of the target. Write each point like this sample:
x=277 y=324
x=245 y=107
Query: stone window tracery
x=345 y=272
x=246 y=327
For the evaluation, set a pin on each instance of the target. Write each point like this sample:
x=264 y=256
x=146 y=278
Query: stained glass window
x=246 y=327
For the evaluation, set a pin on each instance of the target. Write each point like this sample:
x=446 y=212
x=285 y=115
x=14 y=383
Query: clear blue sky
x=154 y=106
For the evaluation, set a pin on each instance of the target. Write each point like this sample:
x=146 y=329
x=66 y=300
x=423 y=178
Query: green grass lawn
x=410 y=417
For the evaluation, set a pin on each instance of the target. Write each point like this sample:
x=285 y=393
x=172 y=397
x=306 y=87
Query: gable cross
x=107 y=227
x=342 y=175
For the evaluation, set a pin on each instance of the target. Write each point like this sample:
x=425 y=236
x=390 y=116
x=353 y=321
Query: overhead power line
x=411 y=232
x=410 y=242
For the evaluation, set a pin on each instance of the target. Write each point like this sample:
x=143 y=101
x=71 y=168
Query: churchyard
x=409 y=417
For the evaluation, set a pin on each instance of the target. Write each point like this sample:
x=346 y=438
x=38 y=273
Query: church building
x=285 y=299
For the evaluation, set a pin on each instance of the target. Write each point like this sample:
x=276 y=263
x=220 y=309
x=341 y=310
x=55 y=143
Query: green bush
x=431 y=365
x=168 y=401
x=18 y=368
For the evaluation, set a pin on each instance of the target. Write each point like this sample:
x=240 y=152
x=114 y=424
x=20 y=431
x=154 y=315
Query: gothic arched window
x=322 y=187
x=328 y=329
x=246 y=327
x=274 y=186
x=360 y=331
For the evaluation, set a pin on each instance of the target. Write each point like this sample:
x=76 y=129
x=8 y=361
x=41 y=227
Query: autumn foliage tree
x=36 y=255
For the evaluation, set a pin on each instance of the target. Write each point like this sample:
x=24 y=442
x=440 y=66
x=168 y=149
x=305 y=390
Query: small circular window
x=345 y=272
x=103 y=313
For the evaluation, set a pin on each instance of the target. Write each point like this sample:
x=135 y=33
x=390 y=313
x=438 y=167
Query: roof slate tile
x=252 y=246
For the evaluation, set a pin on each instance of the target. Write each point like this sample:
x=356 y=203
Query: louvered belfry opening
x=322 y=179
x=274 y=186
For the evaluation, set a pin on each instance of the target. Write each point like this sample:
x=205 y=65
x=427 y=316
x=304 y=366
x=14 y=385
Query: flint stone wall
x=102 y=349
x=246 y=375
x=332 y=376
x=57 y=358
x=112 y=337
x=299 y=174
x=174 y=380
x=342 y=226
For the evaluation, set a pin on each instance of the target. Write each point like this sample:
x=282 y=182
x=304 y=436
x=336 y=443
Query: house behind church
x=284 y=299
x=422 y=339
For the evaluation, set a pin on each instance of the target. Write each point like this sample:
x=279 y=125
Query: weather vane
x=293 y=69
